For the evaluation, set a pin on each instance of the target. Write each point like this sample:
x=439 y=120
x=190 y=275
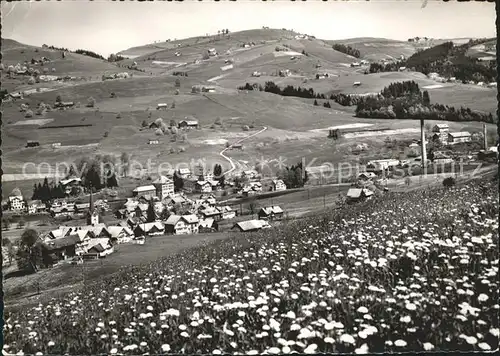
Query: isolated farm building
x=401 y=69
x=211 y=212
x=284 y=73
x=35 y=207
x=355 y=64
x=164 y=187
x=153 y=142
x=270 y=213
x=56 y=144
x=145 y=190
x=440 y=133
x=357 y=84
x=188 y=124
x=212 y=52
x=208 y=225
x=492 y=85
x=237 y=146
x=161 y=106
x=278 y=185
x=16 y=95
x=256 y=74
x=357 y=194
x=149 y=229
x=32 y=144
x=458 y=137
x=182 y=224
x=154 y=125
x=64 y=104
x=250 y=225
x=209 y=89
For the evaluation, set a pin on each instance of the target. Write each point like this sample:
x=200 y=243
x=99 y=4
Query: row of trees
x=47 y=192
x=88 y=53
x=347 y=50
x=294 y=176
x=404 y=100
x=445 y=59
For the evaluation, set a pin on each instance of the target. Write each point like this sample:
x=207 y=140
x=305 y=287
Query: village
x=186 y=201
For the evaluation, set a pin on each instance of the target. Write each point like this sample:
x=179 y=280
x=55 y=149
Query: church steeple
x=92 y=215
x=91 y=203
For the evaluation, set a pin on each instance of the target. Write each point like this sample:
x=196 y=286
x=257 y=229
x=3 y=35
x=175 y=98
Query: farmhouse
x=16 y=203
x=120 y=234
x=250 y=225
x=16 y=95
x=65 y=247
x=236 y=146
x=278 y=185
x=356 y=194
x=208 y=225
x=211 y=212
x=35 y=207
x=153 y=142
x=458 y=137
x=70 y=183
x=66 y=104
x=98 y=248
x=189 y=124
x=227 y=212
x=161 y=106
x=381 y=165
x=210 y=89
x=164 y=187
x=256 y=74
x=212 y=52
x=32 y=144
x=149 y=229
x=145 y=190
x=184 y=173
x=440 y=133
x=284 y=73
x=271 y=213
x=357 y=84
x=182 y=225
x=366 y=176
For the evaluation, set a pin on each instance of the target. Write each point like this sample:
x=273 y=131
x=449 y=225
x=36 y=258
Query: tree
x=177 y=83
x=31 y=81
x=28 y=254
x=245 y=128
x=28 y=114
x=252 y=205
x=144 y=123
x=316 y=102
x=58 y=99
x=178 y=182
x=449 y=181
x=150 y=213
x=173 y=123
x=217 y=171
x=425 y=98
x=6 y=222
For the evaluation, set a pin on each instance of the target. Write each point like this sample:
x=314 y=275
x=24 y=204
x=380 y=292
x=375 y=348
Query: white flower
x=482 y=297
x=495 y=332
x=286 y=349
x=428 y=346
x=411 y=306
x=274 y=350
x=362 y=310
x=400 y=343
x=216 y=352
x=253 y=352
x=51 y=343
x=311 y=349
x=295 y=327
x=290 y=315
x=362 y=350
x=329 y=340
x=405 y=319
x=346 y=338
x=471 y=340
x=184 y=334
x=113 y=351
x=484 y=346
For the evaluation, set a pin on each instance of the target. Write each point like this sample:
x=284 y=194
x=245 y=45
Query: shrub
x=31 y=81
x=118 y=116
x=28 y=114
x=53 y=70
x=106 y=134
x=182 y=149
x=449 y=182
x=172 y=150
x=205 y=56
x=144 y=123
x=245 y=128
x=158 y=132
x=177 y=92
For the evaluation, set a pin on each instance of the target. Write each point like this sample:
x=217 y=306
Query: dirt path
x=233 y=166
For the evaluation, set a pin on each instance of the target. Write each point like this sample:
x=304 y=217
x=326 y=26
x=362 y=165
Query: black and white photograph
x=249 y=177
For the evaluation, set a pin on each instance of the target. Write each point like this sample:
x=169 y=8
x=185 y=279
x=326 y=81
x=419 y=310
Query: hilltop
x=166 y=73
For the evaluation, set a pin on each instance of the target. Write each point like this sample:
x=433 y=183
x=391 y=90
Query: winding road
x=233 y=167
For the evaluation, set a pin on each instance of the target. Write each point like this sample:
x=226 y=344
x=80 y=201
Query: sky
x=108 y=27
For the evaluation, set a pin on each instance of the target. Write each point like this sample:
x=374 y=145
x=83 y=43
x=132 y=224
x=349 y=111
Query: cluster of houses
x=441 y=133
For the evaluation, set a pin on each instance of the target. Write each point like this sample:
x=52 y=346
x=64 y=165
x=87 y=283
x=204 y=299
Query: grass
x=69 y=276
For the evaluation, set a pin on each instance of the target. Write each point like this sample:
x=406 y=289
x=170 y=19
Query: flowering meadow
x=405 y=272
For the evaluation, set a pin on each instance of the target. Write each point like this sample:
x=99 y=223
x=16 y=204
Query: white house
x=16 y=203
x=164 y=187
x=182 y=225
x=458 y=137
x=149 y=229
x=145 y=190
x=35 y=206
x=184 y=172
x=279 y=185
x=161 y=106
x=203 y=186
x=227 y=212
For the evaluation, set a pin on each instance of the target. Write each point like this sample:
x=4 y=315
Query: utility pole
x=324 y=200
